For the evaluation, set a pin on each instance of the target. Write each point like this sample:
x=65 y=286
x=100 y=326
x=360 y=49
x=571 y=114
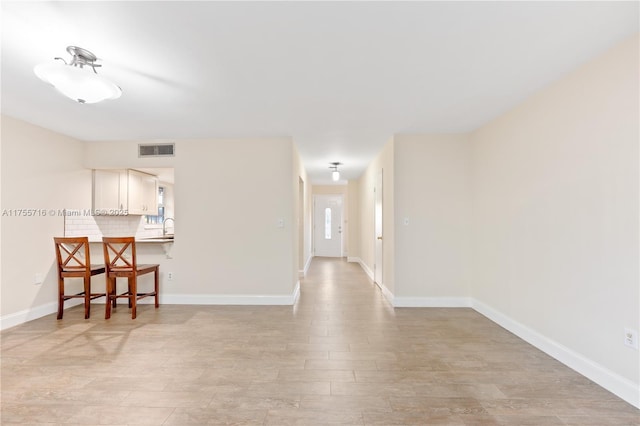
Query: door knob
x=379 y=238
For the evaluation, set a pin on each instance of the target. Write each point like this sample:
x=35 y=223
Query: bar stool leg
x=110 y=290
x=87 y=296
x=156 y=285
x=60 y=297
x=133 y=296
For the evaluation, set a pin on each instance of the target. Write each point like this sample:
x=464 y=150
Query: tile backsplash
x=95 y=227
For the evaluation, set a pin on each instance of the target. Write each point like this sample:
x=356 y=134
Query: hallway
x=341 y=355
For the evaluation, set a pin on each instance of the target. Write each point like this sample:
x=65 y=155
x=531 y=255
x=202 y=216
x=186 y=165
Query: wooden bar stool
x=120 y=262
x=74 y=261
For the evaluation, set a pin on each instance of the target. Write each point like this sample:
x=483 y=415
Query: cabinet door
x=107 y=191
x=143 y=193
x=150 y=194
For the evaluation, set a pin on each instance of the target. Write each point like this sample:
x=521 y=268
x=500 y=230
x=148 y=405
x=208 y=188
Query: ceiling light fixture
x=75 y=82
x=335 y=175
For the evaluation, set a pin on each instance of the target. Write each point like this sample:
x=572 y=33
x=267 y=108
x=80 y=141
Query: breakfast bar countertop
x=146 y=240
x=166 y=239
x=166 y=242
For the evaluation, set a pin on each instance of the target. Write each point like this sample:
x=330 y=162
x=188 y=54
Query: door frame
x=378 y=242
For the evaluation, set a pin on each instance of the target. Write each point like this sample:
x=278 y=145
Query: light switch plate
x=631 y=338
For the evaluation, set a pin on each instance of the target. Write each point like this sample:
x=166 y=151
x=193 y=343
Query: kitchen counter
x=165 y=242
x=158 y=240
x=155 y=240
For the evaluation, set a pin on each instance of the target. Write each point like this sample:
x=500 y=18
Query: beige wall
x=555 y=185
x=329 y=189
x=40 y=170
x=231 y=208
x=432 y=192
x=1 y=209
x=228 y=200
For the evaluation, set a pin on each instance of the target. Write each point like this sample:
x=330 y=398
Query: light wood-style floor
x=342 y=355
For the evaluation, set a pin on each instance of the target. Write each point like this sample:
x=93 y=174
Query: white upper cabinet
x=142 y=193
x=109 y=191
x=121 y=192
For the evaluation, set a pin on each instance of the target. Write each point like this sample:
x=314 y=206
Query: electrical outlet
x=38 y=278
x=406 y=221
x=170 y=276
x=631 y=338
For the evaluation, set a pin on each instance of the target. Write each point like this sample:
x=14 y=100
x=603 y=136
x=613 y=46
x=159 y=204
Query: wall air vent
x=157 y=150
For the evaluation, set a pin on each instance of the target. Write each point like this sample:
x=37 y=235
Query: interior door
x=377 y=268
x=328 y=225
x=301 y=226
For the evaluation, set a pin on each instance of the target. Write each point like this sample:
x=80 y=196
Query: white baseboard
x=225 y=299
x=239 y=299
x=386 y=293
x=363 y=265
x=307 y=264
x=296 y=293
x=613 y=382
x=367 y=271
x=17 y=318
x=431 y=302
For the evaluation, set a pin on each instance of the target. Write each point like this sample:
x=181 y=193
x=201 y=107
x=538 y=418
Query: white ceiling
x=339 y=77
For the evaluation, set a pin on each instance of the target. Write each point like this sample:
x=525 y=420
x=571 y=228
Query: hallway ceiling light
x=74 y=81
x=335 y=175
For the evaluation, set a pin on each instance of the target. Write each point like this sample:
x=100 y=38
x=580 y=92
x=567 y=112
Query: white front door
x=328 y=225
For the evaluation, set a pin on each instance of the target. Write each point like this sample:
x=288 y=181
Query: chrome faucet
x=164 y=225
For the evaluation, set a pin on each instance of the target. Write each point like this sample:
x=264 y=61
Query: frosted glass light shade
x=335 y=175
x=80 y=84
